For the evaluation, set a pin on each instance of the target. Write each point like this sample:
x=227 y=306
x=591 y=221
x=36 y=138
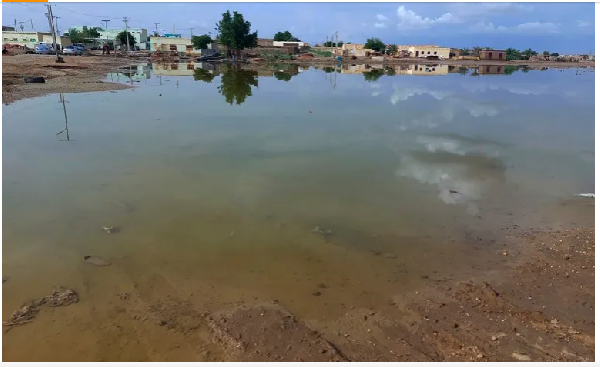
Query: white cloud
x=465 y=10
x=487 y=27
x=403 y=93
x=538 y=27
x=583 y=23
x=531 y=27
x=382 y=17
x=408 y=19
x=380 y=25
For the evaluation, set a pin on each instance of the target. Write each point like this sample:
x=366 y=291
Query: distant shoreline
x=412 y=61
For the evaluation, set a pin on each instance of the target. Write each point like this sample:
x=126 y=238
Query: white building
x=30 y=39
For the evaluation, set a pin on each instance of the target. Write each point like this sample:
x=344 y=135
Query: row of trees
x=78 y=36
x=377 y=45
x=511 y=53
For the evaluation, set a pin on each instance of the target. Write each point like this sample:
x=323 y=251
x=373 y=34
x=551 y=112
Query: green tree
x=391 y=49
x=525 y=55
x=204 y=75
x=475 y=50
x=201 y=42
x=555 y=54
x=234 y=32
x=373 y=75
x=122 y=37
x=513 y=54
x=375 y=44
x=93 y=32
x=463 y=70
x=340 y=44
x=236 y=84
x=75 y=35
x=465 y=51
x=281 y=75
x=509 y=69
x=285 y=36
x=546 y=54
x=390 y=71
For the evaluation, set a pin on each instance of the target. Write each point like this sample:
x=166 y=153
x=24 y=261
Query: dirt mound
x=269 y=333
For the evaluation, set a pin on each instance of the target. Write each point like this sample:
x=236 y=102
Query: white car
x=72 y=50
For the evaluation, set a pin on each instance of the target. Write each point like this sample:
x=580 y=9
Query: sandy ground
x=535 y=304
x=76 y=74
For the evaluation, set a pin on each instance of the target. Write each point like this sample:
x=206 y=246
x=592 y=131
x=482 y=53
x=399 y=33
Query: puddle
x=224 y=173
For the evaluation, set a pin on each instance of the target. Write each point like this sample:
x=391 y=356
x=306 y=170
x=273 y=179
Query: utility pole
x=191 y=33
x=156 y=24
x=31 y=21
x=56 y=21
x=50 y=16
x=125 y=19
x=105 y=33
x=15 y=24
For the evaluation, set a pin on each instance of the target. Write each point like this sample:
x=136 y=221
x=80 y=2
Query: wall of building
x=287 y=43
x=492 y=55
x=30 y=39
x=166 y=44
x=140 y=34
x=264 y=42
x=425 y=51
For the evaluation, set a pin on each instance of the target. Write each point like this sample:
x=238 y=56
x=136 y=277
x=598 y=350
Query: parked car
x=44 y=49
x=72 y=50
x=79 y=46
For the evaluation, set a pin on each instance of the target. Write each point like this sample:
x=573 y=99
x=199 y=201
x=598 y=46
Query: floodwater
x=216 y=177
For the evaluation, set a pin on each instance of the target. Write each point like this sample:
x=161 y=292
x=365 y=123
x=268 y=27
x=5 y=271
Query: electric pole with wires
x=125 y=19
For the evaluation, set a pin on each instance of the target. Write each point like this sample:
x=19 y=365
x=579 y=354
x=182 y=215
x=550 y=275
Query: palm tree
x=465 y=52
x=476 y=50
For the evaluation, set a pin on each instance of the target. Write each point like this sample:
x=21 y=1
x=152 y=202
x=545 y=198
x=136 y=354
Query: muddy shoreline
x=76 y=75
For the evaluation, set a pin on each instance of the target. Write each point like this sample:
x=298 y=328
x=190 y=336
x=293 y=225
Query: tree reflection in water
x=236 y=83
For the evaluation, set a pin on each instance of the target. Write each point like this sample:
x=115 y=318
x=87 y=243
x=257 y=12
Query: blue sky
x=556 y=27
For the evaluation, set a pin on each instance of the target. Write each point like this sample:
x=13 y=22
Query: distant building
x=490 y=69
x=175 y=44
x=288 y=44
x=355 y=49
x=424 y=51
x=30 y=39
x=264 y=42
x=492 y=55
x=7 y=28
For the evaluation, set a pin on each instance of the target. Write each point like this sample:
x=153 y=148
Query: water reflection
x=66 y=129
x=463 y=170
x=236 y=83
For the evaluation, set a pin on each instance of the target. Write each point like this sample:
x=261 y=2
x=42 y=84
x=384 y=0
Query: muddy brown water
x=216 y=178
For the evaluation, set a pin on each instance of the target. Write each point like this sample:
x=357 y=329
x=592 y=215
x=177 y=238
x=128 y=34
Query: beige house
x=176 y=44
x=421 y=69
x=30 y=39
x=424 y=51
x=355 y=49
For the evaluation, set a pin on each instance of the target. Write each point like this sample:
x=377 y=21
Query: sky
x=554 y=27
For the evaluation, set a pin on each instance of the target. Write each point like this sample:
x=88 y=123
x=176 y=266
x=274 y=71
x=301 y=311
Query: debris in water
x=231 y=234
x=453 y=191
x=95 y=260
x=587 y=195
x=323 y=231
x=108 y=229
x=60 y=297
x=4 y=280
